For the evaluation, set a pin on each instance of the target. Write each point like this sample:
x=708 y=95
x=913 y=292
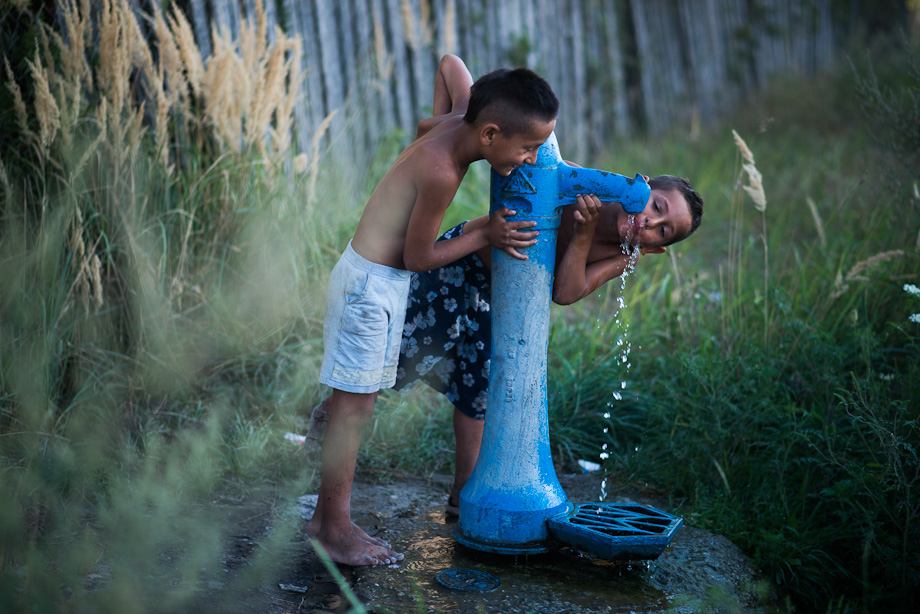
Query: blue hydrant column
x=514 y=489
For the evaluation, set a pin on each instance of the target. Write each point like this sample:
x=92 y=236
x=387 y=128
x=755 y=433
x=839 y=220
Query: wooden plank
x=415 y=24
x=578 y=111
x=465 y=16
x=381 y=71
x=352 y=110
x=597 y=80
x=330 y=66
x=314 y=100
x=645 y=63
x=617 y=92
x=369 y=120
x=824 y=35
x=401 y=71
x=201 y=26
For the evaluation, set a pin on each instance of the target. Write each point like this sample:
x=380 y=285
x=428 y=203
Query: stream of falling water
x=623 y=344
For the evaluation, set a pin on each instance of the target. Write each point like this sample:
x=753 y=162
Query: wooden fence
x=618 y=66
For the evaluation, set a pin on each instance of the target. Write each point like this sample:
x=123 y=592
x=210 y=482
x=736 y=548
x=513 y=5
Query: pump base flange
x=524 y=549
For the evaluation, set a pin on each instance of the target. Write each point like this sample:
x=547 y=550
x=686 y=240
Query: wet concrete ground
x=557 y=582
x=697 y=572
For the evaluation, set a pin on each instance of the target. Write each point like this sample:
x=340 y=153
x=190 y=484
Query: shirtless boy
x=503 y=118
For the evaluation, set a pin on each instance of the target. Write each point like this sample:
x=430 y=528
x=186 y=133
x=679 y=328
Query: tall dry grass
x=160 y=294
x=140 y=93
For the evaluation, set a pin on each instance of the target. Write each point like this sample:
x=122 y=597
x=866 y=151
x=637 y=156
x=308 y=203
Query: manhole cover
x=468 y=580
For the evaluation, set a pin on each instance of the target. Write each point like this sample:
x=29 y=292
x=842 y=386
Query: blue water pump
x=513 y=502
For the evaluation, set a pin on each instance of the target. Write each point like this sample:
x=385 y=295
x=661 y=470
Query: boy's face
x=506 y=153
x=666 y=219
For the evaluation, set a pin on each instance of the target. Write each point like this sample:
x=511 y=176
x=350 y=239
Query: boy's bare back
x=415 y=191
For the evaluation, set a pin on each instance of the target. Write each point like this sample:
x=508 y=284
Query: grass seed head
x=188 y=49
x=5 y=184
x=46 y=107
x=819 y=224
x=856 y=273
x=170 y=65
x=754 y=188
x=743 y=148
x=19 y=106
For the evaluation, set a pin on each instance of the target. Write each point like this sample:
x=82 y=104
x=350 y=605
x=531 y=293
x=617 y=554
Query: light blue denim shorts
x=363 y=323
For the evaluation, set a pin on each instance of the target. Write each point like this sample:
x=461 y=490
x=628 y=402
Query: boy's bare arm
x=422 y=251
x=574 y=278
x=452 y=86
x=568 y=290
x=571 y=281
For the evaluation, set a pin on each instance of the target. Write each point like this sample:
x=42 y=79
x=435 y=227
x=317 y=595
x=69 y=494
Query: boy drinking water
x=503 y=118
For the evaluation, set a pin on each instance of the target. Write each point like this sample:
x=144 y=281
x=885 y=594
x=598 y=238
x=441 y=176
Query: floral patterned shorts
x=446 y=339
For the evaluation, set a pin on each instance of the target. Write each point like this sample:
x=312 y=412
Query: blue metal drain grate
x=615 y=530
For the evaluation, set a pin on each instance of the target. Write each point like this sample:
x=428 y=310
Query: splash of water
x=624 y=346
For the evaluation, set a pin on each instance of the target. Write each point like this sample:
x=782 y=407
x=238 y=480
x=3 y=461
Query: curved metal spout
x=632 y=193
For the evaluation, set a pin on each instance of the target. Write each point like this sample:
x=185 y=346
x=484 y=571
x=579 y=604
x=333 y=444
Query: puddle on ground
x=554 y=582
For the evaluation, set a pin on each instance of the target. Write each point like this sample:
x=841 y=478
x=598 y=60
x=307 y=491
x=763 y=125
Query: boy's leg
x=317 y=429
x=468 y=435
x=331 y=524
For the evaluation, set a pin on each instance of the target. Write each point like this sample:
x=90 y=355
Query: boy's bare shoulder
x=435 y=160
x=427 y=125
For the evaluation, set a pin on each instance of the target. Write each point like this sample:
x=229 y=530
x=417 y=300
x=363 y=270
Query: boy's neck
x=463 y=138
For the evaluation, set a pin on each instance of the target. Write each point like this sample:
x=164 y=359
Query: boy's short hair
x=694 y=200
x=512 y=99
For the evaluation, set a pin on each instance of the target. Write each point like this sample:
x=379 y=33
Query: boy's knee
x=352 y=406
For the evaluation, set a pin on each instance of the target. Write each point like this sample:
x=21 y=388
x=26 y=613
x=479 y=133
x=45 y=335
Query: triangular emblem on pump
x=516 y=184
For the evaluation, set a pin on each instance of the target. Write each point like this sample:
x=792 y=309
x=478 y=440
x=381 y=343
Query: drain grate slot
x=615 y=531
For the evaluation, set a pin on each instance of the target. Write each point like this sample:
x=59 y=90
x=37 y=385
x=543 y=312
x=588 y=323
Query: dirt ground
x=696 y=571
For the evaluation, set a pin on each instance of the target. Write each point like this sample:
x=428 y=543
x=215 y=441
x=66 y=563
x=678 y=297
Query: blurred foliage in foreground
x=164 y=257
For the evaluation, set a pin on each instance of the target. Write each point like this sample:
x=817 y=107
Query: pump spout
x=631 y=193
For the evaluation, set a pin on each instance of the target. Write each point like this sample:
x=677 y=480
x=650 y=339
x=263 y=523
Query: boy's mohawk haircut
x=511 y=98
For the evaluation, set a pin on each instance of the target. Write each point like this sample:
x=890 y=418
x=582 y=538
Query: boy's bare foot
x=313 y=528
x=349 y=548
